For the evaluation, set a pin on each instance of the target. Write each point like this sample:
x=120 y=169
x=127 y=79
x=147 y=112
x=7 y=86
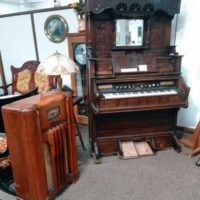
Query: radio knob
x=117 y=87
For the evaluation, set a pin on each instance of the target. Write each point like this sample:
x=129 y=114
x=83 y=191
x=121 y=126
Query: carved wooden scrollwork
x=135 y=7
x=145 y=7
x=148 y=8
x=121 y=7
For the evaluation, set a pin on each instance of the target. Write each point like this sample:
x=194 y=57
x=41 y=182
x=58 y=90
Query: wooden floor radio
x=42 y=144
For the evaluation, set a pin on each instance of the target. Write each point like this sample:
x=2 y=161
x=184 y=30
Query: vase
x=81 y=23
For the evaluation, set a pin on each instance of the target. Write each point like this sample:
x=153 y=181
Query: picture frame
x=56 y=28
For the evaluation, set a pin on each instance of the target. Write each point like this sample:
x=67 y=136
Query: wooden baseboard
x=185 y=129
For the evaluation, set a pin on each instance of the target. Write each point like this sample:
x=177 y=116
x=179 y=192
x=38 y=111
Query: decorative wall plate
x=56 y=28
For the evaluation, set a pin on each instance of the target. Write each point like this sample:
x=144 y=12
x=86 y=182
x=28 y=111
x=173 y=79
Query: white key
x=140 y=94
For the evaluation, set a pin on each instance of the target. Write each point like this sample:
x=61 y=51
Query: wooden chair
x=28 y=68
x=76 y=100
x=26 y=78
x=2 y=76
x=23 y=77
x=194 y=143
x=5 y=167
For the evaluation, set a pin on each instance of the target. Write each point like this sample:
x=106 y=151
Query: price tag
x=142 y=68
x=129 y=69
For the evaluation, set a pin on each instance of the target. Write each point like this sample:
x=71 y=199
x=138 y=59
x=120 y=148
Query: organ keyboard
x=134 y=75
x=129 y=90
x=140 y=94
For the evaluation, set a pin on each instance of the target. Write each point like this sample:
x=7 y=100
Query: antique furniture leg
x=175 y=144
x=78 y=133
x=194 y=152
x=95 y=154
x=120 y=154
x=76 y=100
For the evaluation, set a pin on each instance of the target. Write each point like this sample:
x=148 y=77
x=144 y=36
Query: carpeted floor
x=164 y=176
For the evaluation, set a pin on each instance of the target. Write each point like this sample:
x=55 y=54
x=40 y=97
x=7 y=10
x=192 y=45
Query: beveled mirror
x=129 y=32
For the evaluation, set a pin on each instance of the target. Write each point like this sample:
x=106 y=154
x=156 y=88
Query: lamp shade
x=57 y=64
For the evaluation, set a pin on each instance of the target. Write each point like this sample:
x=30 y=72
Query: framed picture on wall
x=56 y=28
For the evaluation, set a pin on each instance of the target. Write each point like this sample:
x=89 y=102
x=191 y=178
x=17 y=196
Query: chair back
x=23 y=77
x=26 y=78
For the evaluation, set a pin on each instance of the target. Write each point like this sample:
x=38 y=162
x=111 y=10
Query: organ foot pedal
x=131 y=149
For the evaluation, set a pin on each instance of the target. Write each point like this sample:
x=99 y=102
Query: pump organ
x=134 y=74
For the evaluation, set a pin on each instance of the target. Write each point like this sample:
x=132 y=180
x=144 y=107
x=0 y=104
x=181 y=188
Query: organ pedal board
x=132 y=149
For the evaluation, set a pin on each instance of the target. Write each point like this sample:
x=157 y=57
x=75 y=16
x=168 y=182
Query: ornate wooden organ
x=42 y=146
x=134 y=74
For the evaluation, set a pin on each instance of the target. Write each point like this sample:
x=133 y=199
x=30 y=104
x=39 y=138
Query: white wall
x=188 y=42
x=17 y=44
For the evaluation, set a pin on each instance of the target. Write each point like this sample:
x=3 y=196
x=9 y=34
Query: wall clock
x=80 y=53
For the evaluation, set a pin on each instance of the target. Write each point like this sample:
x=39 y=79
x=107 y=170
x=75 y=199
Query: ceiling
x=21 y=2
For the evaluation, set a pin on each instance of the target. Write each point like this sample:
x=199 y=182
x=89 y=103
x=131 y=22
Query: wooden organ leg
x=120 y=153
x=95 y=153
x=175 y=144
x=94 y=148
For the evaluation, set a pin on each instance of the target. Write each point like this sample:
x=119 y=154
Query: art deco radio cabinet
x=42 y=146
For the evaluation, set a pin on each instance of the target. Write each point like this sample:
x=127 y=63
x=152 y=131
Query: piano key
x=140 y=94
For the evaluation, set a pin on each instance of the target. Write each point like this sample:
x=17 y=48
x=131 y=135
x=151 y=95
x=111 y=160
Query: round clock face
x=80 y=54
